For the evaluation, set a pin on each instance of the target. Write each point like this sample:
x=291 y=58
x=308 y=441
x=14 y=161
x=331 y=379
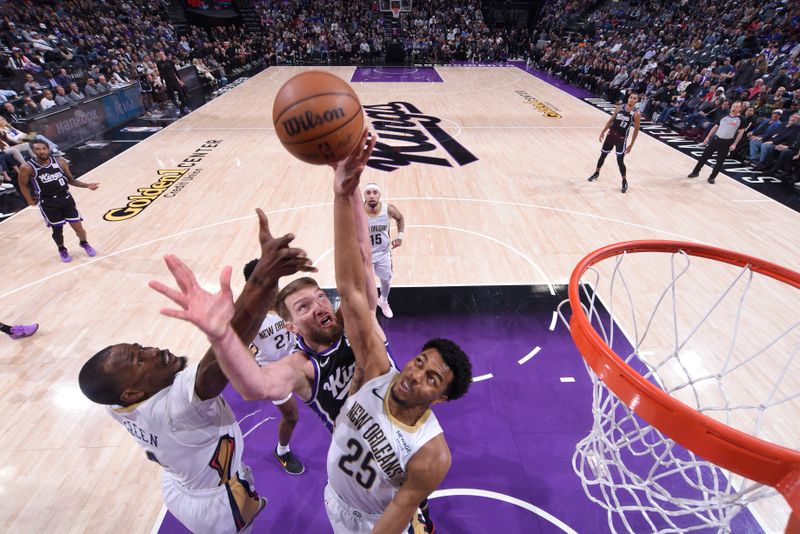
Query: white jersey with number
x=197 y=442
x=370 y=448
x=273 y=341
x=379 y=232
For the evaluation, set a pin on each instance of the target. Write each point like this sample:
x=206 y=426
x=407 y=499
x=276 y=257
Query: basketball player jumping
x=272 y=343
x=618 y=128
x=44 y=180
x=378 y=214
x=177 y=413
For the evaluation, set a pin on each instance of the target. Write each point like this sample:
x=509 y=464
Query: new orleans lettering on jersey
x=379 y=230
x=273 y=341
x=622 y=122
x=333 y=374
x=382 y=451
x=49 y=179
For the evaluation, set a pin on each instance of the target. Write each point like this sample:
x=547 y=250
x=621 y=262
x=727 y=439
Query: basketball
x=317 y=117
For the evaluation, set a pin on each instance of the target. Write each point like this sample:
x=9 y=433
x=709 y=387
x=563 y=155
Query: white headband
x=372 y=186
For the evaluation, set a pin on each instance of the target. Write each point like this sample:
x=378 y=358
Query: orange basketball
x=317 y=117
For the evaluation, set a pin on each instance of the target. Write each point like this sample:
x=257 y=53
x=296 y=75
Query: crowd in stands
x=688 y=61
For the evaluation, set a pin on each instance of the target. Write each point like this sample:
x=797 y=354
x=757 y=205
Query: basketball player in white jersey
x=378 y=214
x=176 y=412
x=45 y=181
x=272 y=343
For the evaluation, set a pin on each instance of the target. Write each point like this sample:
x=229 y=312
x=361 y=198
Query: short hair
x=38 y=141
x=458 y=362
x=248 y=269
x=293 y=287
x=96 y=383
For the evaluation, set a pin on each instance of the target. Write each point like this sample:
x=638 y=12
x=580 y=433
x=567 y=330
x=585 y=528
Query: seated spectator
x=29 y=107
x=31 y=86
x=75 y=94
x=117 y=77
x=781 y=139
x=61 y=97
x=5 y=94
x=91 y=90
x=47 y=101
x=11 y=113
x=102 y=85
x=19 y=139
x=63 y=78
x=757 y=134
x=49 y=81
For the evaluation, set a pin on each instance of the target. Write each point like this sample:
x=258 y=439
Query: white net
x=721 y=339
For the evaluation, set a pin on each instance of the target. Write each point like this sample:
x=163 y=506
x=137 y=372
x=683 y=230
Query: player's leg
x=620 y=148
x=608 y=146
x=289 y=416
x=383 y=270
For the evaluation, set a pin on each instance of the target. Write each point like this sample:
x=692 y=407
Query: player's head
x=128 y=373
x=441 y=372
x=248 y=269
x=633 y=99
x=372 y=194
x=40 y=149
x=308 y=312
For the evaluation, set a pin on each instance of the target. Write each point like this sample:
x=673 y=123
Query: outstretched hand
x=277 y=257
x=210 y=313
x=348 y=170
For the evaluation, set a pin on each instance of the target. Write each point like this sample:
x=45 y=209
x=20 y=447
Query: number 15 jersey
x=370 y=448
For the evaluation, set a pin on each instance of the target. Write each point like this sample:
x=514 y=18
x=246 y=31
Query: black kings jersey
x=333 y=373
x=48 y=179
x=622 y=122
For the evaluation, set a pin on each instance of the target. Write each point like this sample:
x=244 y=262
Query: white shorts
x=230 y=508
x=382 y=265
x=345 y=519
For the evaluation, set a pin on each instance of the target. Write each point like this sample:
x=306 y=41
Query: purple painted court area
x=396 y=74
x=512 y=437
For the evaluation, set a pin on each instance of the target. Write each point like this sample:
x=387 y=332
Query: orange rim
x=716 y=442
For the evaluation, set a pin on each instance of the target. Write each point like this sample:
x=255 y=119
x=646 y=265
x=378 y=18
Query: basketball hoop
x=643 y=400
x=395 y=11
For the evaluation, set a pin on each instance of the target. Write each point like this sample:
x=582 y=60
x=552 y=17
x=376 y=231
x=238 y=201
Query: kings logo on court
x=406 y=136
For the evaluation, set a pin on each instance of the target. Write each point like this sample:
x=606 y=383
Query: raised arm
x=425 y=471
x=258 y=296
x=358 y=317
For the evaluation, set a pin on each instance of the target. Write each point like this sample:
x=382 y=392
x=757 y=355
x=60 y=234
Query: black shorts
x=58 y=210
x=615 y=142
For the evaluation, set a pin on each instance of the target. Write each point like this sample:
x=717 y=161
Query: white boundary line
x=159 y=520
x=482 y=377
x=471 y=492
x=530 y=355
x=553 y=321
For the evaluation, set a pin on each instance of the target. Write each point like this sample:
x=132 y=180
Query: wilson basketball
x=317 y=117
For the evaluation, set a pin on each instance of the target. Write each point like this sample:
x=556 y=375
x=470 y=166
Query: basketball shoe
x=23 y=330
x=383 y=304
x=290 y=464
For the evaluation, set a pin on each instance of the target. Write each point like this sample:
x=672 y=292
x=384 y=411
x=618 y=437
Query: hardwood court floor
x=523 y=213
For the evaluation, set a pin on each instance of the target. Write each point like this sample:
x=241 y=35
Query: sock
x=282 y=450
x=385 y=287
x=6 y=329
x=84 y=243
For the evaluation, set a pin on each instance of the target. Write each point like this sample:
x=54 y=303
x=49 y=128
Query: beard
x=325 y=336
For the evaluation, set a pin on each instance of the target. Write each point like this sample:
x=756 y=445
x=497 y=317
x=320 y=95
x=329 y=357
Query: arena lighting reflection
x=69 y=397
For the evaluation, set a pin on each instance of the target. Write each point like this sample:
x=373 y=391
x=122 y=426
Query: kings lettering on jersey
x=370 y=430
x=339 y=382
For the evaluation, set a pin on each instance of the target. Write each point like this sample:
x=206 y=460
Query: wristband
x=400 y=236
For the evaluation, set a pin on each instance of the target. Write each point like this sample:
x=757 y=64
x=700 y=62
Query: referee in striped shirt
x=721 y=140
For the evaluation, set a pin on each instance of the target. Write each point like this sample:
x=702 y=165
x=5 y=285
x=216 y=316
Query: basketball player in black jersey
x=618 y=128
x=44 y=180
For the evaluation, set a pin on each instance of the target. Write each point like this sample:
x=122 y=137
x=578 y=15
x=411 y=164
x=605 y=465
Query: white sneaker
x=384 y=306
x=6 y=186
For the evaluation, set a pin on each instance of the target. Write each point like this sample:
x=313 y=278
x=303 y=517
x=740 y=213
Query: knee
x=58 y=231
x=290 y=416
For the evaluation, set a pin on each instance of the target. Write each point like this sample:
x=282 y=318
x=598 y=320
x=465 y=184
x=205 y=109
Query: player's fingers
x=183 y=275
x=176 y=314
x=285 y=239
x=225 y=278
x=263 y=225
x=176 y=296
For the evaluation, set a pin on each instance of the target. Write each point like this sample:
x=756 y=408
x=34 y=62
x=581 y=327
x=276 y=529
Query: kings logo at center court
x=406 y=136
